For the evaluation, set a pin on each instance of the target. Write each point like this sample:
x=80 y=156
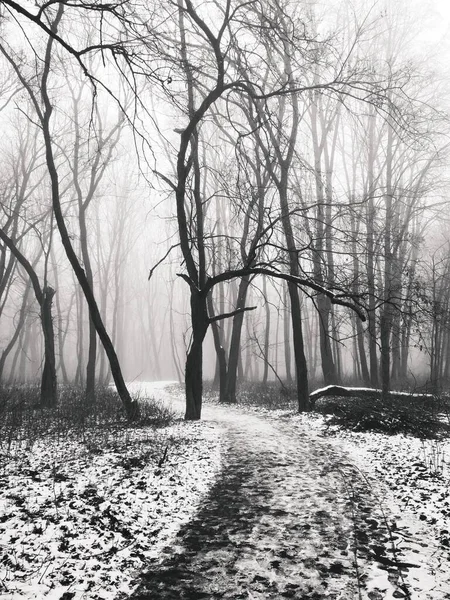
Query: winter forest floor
x=247 y=503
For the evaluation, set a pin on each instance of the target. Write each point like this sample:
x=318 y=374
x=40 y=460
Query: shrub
x=414 y=416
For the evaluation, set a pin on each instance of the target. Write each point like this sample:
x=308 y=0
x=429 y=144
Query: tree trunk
x=387 y=315
x=129 y=405
x=370 y=244
x=299 y=350
x=80 y=336
x=248 y=370
x=321 y=254
x=328 y=365
x=18 y=352
x=301 y=368
x=194 y=360
x=362 y=352
x=103 y=374
x=235 y=343
x=92 y=335
x=287 y=341
x=385 y=354
x=221 y=364
x=266 y=333
x=61 y=336
x=356 y=289
x=44 y=298
x=17 y=331
x=48 y=382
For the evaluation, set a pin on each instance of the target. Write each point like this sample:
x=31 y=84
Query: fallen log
x=339 y=390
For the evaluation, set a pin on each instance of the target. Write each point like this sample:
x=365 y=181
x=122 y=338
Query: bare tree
x=44 y=296
x=43 y=108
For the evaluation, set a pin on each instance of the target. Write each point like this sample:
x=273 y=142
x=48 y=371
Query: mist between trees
x=232 y=190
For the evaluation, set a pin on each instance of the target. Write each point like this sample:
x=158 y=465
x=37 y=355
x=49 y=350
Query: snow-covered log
x=339 y=390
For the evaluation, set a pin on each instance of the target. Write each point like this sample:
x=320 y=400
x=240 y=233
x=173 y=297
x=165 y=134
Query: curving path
x=288 y=518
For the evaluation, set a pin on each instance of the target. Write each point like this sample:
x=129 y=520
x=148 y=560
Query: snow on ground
x=411 y=479
x=170 y=393
x=305 y=482
x=80 y=517
x=273 y=525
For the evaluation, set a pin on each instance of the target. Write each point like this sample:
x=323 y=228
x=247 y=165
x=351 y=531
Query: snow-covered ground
x=411 y=480
x=81 y=520
x=321 y=502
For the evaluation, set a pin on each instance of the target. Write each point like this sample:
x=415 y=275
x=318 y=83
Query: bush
x=413 y=416
x=271 y=395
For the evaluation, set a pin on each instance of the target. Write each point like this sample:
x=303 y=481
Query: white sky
x=436 y=28
x=443 y=8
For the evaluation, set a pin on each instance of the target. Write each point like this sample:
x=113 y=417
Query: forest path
x=289 y=517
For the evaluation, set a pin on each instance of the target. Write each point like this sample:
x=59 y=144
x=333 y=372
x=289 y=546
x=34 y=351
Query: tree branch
x=188 y=280
x=299 y=281
x=161 y=260
x=231 y=314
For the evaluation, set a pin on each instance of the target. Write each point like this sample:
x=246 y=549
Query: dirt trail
x=288 y=518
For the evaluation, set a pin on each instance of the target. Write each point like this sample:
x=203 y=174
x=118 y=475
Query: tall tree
x=44 y=108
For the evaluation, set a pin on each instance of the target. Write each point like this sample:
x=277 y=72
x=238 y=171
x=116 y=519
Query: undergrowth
x=100 y=423
x=426 y=419
x=270 y=395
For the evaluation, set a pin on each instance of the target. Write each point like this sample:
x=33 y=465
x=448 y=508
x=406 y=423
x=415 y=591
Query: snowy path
x=289 y=517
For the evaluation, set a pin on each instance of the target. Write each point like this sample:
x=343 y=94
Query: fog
x=229 y=192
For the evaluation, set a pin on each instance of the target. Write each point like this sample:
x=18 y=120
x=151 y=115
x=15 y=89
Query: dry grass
x=21 y=423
